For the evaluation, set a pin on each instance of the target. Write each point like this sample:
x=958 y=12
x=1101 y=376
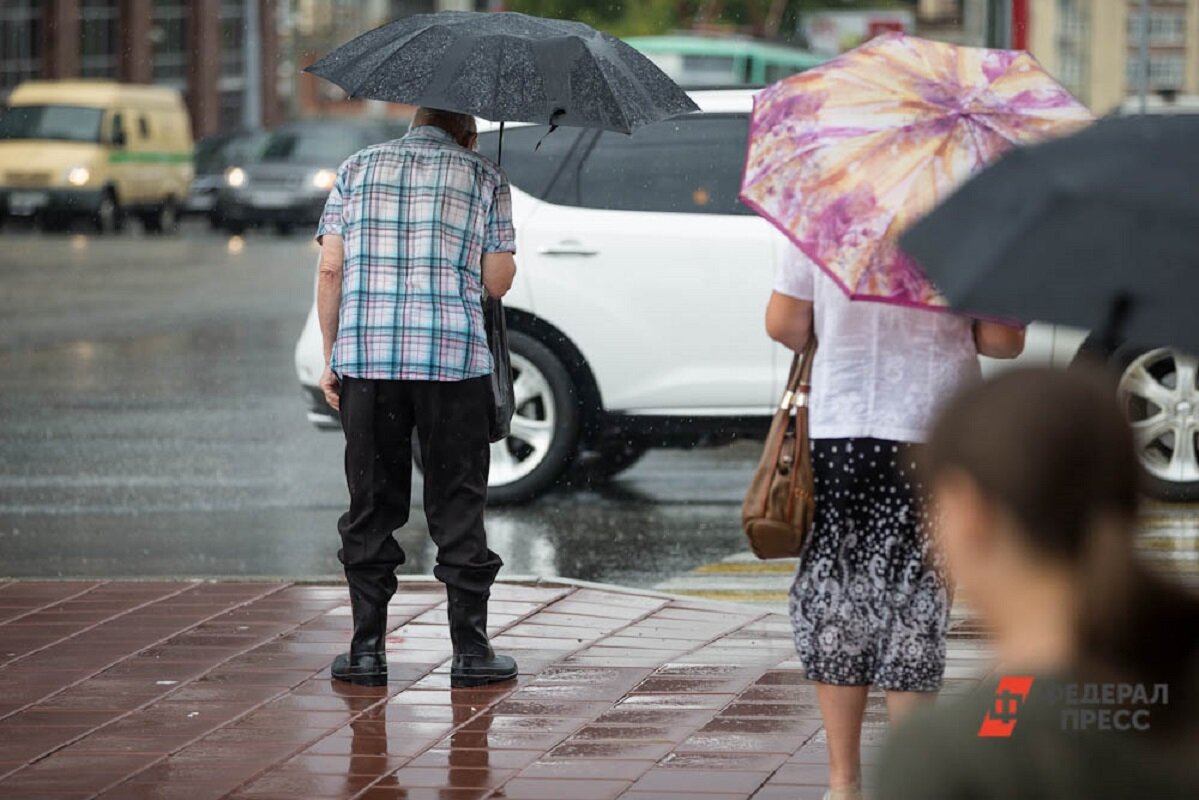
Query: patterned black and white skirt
x=870 y=603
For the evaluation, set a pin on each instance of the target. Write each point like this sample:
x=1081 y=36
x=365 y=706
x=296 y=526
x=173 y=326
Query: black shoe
x=366 y=663
x=361 y=669
x=475 y=663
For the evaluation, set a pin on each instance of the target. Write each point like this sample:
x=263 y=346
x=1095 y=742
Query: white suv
x=636 y=317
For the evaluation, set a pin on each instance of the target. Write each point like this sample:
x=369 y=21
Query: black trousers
x=450 y=419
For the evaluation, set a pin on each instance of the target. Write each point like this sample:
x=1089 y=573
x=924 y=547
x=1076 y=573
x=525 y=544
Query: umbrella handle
x=499 y=151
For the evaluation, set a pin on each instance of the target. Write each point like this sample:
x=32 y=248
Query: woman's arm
x=997 y=340
x=789 y=320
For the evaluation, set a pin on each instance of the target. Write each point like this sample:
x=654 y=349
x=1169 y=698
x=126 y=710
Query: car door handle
x=567 y=248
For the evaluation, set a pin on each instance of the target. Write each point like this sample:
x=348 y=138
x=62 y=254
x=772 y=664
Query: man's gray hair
x=452 y=122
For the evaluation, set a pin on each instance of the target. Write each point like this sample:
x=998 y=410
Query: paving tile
x=399 y=793
x=476 y=758
x=753 y=762
x=581 y=768
x=629 y=751
x=791 y=793
x=801 y=775
x=551 y=789
x=701 y=781
x=453 y=777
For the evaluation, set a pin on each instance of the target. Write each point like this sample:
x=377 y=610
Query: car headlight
x=79 y=176
x=324 y=178
x=235 y=177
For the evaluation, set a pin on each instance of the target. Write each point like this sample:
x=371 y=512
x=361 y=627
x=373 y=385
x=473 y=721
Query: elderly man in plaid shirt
x=413 y=233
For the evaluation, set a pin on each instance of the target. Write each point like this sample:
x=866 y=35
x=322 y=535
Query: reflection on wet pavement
x=204 y=691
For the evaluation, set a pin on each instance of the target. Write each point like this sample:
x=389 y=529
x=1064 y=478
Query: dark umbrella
x=1099 y=230
x=507 y=67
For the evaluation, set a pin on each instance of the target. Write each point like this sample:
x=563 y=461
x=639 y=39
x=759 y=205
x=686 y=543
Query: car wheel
x=234 y=228
x=605 y=462
x=107 y=218
x=1158 y=390
x=545 y=428
x=284 y=228
x=165 y=219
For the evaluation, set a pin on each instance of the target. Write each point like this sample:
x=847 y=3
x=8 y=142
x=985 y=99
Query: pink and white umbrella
x=843 y=157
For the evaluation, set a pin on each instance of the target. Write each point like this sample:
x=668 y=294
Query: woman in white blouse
x=870 y=603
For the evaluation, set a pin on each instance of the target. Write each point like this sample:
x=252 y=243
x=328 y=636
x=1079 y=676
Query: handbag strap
x=799 y=381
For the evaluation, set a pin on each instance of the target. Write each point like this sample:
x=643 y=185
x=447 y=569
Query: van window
x=689 y=165
x=143 y=126
x=118 y=129
x=66 y=123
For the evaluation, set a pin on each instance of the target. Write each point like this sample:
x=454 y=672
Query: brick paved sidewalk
x=208 y=690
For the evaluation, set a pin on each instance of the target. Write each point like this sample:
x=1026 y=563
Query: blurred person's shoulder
x=1032 y=752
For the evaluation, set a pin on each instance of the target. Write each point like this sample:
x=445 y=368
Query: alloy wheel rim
x=532 y=430
x=1159 y=394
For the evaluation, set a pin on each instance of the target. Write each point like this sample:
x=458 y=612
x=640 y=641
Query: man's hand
x=499 y=270
x=331 y=386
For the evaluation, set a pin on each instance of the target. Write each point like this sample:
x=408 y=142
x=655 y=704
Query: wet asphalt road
x=151 y=425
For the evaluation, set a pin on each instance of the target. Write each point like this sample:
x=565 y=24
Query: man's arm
x=328 y=308
x=499 y=270
x=499 y=244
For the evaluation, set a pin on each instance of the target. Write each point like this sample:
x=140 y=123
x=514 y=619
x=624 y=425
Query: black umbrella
x=1099 y=230
x=507 y=67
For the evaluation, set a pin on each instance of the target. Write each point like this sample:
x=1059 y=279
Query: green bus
x=699 y=61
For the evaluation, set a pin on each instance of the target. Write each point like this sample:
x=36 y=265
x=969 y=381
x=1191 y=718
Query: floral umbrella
x=843 y=157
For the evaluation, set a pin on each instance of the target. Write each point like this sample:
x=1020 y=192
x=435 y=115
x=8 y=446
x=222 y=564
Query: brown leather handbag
x=779 y=506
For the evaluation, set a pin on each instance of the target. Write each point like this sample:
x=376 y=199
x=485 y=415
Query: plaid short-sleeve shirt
x=416 y=214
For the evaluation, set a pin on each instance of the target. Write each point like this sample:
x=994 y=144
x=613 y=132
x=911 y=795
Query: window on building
x=168 y=34
x=232 y=39
x=1166 y=71
x=1166 y=28
x=99 y=38
x=20 y=42
x=1073 y=52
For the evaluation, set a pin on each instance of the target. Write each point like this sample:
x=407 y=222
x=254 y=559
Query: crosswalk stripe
x=1170 y=542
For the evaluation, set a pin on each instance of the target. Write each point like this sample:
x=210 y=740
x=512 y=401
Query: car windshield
x=329 y=147
x=68 y=123
x=216 y=153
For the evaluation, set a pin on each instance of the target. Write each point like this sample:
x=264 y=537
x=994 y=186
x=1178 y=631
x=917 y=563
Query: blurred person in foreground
x=413 y=233
x=1035 y=478
x=870 y=605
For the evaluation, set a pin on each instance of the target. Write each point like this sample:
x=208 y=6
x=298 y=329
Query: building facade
x=1094 y=47
x=222 y=54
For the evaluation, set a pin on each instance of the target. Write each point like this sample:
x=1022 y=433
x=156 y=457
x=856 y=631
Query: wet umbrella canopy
x=507 y=67
x=1098 y=230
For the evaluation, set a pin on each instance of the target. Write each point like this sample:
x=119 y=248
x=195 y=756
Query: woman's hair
x=1052 y=448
